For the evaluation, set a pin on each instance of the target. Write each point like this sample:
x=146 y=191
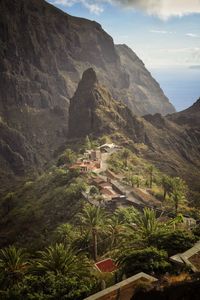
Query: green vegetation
x=93 y=219
x=137 y=241
x=149 y=260
x=57 y=235
x=138 y=173
x=36 y=208
x=68 y=157
x=173 y=241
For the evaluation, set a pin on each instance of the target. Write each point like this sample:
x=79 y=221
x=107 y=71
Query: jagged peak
x=89 y=78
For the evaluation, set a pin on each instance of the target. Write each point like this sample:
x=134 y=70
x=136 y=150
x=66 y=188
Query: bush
x=149 y=260
x=173 y=242
x=68 y=157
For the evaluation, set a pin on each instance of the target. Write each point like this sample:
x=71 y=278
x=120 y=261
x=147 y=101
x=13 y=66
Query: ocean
x=180 y=85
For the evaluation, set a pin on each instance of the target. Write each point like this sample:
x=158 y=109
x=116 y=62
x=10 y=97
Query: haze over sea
x=180 y=85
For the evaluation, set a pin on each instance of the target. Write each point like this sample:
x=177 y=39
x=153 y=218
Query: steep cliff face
x=141 y=86
x=43 y=53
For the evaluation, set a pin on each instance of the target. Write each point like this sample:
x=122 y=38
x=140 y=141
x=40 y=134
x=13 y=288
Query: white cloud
x=164 y=9
x=94 y=7
x=193 y=35
x=159 y=31
x=64 y=2
x=181 y=50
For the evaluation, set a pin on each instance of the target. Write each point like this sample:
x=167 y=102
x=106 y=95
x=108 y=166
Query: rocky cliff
x=43 y=53
x=93 y=111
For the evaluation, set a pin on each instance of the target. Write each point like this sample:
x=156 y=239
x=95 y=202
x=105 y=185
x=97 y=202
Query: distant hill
x=189 y=116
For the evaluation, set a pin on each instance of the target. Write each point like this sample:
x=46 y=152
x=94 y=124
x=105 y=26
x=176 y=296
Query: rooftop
x=106 y=266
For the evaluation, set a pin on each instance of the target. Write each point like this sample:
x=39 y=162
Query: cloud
x=94 y=7
x=64 y=2
x=164 y=9
x=193 y=35
x=181 y=50
x=159 y=31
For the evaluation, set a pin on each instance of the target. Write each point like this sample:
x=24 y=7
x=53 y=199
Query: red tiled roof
x=106 y=265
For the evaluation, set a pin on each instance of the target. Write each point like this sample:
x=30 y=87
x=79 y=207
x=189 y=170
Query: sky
x=165 y=34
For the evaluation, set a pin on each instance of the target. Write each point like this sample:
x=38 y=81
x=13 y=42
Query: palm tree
x=177 y=198
x=178 y=192
x=166 y=184
x=66 y=234
x=125 y=156
x=126 y=215
x=116 y=230
x=134 y=180
x=151 y=170
x=177 y=220
x=94 y=220
x=138 y=181
x=13 y=265
x=88 y=144
x=147 y=223
x=61 y=260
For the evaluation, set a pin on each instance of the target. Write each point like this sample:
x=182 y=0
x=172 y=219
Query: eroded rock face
x=43 y=54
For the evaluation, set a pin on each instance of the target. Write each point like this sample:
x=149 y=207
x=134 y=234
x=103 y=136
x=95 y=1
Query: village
x=109 y=190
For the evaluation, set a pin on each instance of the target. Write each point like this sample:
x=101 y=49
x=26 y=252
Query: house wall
x=123 y=290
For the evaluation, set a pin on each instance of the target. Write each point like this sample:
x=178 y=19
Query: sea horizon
x=180 y=84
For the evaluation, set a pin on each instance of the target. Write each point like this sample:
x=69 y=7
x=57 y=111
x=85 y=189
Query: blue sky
x=164 y=33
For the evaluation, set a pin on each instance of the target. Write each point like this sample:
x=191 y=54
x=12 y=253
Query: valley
x=99 y=174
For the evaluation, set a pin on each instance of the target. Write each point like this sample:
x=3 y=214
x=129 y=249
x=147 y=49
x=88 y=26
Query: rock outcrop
x=93 y=111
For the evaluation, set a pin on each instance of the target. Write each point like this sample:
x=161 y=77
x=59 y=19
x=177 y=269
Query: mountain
x=189 y=116
x=142 y=87
x=43 y=53
x=171 y=145
x=93 y=111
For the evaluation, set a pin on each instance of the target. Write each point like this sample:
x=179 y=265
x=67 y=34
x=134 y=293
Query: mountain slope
x=189 y=116
x=43 y=53
x=173 y=148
